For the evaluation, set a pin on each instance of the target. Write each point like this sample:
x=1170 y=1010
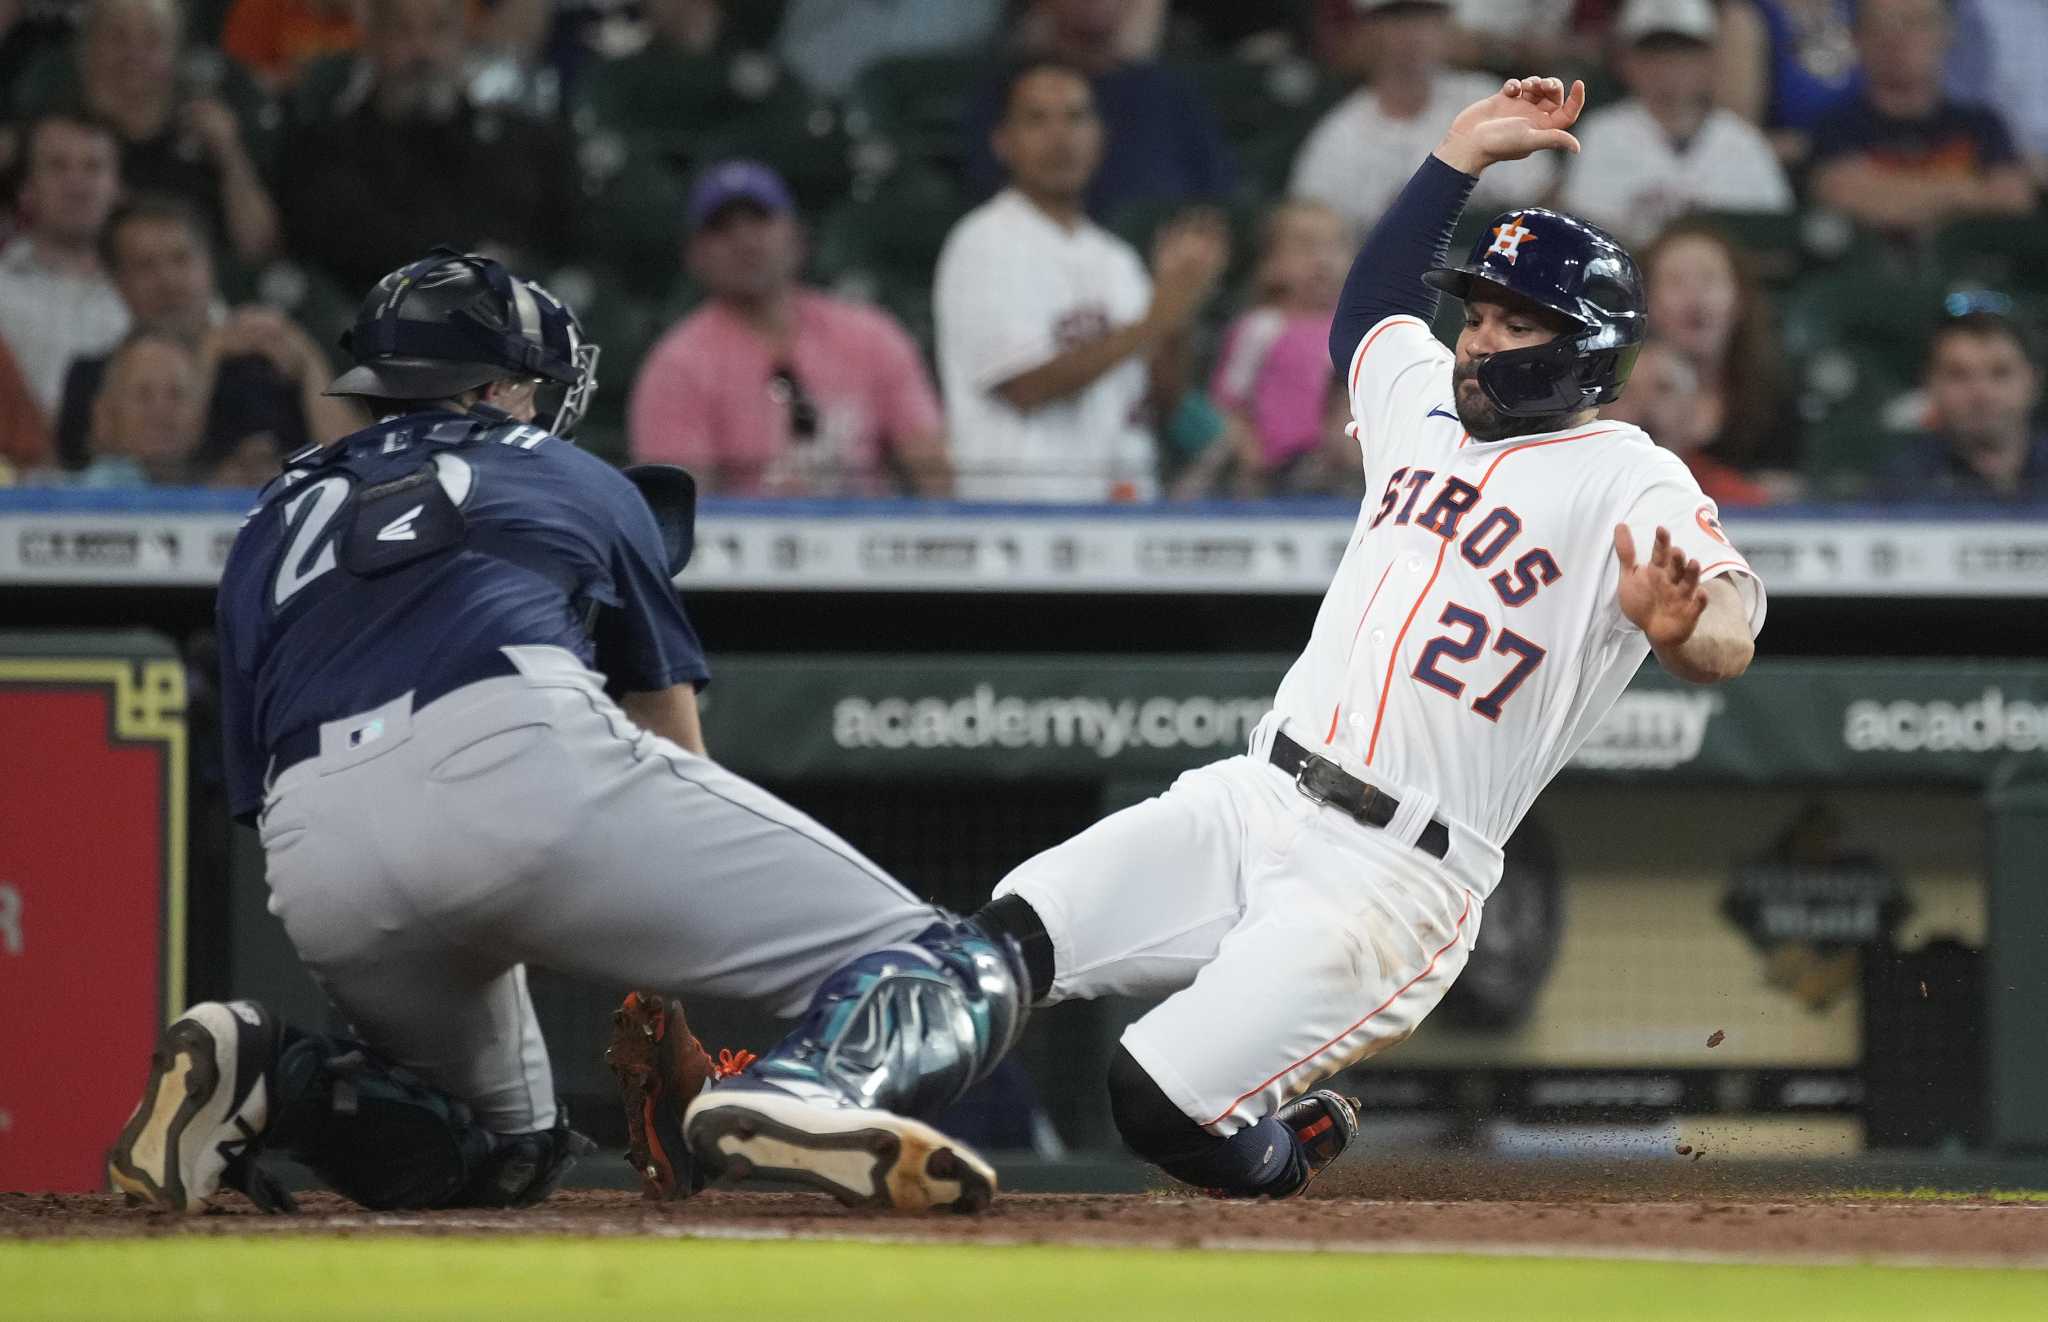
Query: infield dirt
x=1618 y=1216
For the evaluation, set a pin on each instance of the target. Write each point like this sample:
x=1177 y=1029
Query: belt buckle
x=1301 y=785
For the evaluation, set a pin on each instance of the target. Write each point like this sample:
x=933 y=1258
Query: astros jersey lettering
x=1472 y=637
x=1469 y=642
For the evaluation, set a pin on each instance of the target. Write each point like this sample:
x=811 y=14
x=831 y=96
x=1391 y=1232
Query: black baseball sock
x=1009 y=915
x=1264 y=1160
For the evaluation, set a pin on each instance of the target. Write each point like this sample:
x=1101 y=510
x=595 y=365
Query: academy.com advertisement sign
x=1011 y=717
x=1105 y=727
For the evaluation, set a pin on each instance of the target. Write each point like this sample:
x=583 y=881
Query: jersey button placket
x=1366 y=661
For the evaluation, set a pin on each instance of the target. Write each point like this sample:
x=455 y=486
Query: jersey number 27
x=1476 y=630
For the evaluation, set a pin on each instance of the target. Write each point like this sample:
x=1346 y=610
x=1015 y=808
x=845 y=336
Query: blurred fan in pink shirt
x=1273 y=378
x=773 y=389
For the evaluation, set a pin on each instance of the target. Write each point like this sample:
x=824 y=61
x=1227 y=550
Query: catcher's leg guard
x=229 y=1082
x=389 y=1140
x=898 y=1033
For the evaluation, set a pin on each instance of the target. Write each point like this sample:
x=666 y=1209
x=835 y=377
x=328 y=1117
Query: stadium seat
x=315 y=97
x=802 y=137
x=204 y=20
x=883 y=247
x=690 y=111
x=1775 y=241
x=916 y=105
x=1265 y=110
x=624 y=322
x=1999 y=254
x=895 y=230
x=1879 y=321
x=1843 y=457
x=755 y=23
x=636 y=202
x=910 y=302
x=662 y=95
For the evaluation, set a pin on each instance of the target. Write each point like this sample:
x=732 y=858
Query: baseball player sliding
x=1307 y=904
x=422 y=628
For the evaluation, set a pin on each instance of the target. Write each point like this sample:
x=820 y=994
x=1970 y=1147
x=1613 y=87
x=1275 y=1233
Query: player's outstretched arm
x=1700 y=633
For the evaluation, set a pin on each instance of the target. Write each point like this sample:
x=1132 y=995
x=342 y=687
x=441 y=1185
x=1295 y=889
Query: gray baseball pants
x=423 y=858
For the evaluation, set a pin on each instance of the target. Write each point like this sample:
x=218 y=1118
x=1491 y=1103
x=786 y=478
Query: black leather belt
x=295 y=746
x=1324 y=781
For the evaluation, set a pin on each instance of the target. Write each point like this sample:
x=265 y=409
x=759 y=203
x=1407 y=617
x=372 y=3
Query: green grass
x=558 y=1279
x=1924 y=1194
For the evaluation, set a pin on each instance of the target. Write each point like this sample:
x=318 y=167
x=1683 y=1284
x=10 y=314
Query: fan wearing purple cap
x=773 y=388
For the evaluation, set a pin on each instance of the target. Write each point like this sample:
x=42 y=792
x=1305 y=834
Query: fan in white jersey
x=1307 y=904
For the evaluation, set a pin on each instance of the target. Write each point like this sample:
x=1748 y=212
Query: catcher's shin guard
x=896 y=1034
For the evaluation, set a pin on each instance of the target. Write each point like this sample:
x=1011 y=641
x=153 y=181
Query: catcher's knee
x=387 y=1139
x=1149 y=1122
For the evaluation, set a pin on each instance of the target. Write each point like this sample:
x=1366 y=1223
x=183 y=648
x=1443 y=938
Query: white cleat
x=869 y=1159
x=207 y=1102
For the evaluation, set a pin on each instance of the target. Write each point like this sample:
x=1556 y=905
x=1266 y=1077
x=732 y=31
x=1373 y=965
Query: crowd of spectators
x=1039 y=250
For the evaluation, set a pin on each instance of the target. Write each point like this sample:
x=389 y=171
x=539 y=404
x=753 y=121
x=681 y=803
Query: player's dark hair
x=1983 y=323
x=157 y=209
x=1023 y=68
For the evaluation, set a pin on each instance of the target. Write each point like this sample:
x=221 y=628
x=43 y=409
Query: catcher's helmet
x=1572 y=268
x=454 y=321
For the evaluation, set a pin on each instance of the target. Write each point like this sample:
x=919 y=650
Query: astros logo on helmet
x=1508 y=239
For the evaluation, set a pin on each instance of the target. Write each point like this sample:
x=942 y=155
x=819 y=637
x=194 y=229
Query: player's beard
x=1482 y=419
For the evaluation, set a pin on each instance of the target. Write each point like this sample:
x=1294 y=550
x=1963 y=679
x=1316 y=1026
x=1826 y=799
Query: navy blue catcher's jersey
x=403 y=557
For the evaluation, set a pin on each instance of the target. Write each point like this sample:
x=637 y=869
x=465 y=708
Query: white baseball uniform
x=1014 y=290
x=1470 y=641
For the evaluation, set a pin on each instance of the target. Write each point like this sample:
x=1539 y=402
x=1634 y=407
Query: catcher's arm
x=672 y=494
x=670 y=713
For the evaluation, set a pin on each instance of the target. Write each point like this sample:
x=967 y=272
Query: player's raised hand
x=1525 y=116
x=1661 y=596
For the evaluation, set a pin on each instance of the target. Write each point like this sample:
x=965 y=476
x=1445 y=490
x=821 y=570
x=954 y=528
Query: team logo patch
x=400 y=529
x=1710 y=524
x=1509 y=238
